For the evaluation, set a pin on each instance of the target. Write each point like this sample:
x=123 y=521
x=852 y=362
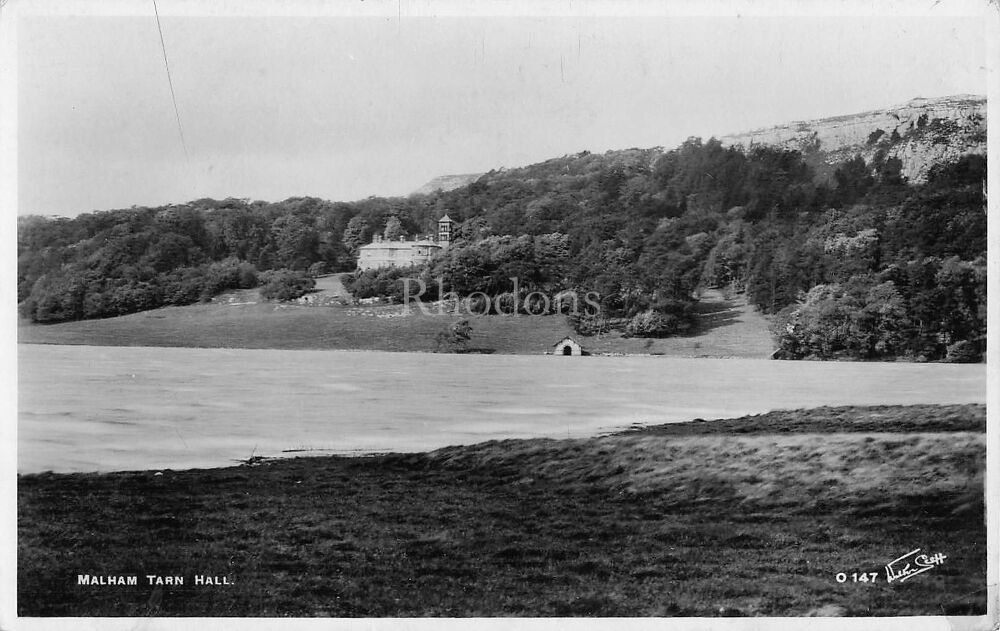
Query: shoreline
x=821 y=420
x=163 y=407
x=502 y=353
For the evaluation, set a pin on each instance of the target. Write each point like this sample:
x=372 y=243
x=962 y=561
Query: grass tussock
x=678 y=522
x=794 y=472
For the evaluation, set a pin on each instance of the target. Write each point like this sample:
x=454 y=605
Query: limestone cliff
x=921 y=133
x=447 y=183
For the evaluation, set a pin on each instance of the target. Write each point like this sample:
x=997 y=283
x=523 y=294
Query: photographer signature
x=911 y=564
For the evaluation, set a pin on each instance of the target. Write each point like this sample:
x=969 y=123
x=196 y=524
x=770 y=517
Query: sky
x=378 y=102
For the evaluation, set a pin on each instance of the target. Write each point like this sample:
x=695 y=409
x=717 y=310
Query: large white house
x=382 y=253
x=403 y=253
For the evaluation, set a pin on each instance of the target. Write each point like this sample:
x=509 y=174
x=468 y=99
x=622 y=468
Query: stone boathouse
x=567 y=346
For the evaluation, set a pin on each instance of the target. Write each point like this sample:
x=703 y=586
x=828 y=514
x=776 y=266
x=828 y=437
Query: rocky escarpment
x=447 y=183
x=921 y=134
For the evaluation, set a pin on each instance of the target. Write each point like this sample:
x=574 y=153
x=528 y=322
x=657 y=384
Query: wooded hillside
x=866 y=266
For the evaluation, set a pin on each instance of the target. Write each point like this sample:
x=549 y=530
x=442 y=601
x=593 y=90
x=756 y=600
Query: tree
x=243 y=233
x=456 y=337
x=393 y=229
x=853 y=179
x=461 y=331
x=285 y=284
x=861 y=319
x=648 y=323
x=355 y=235
x=296 y=242
x=171 y=251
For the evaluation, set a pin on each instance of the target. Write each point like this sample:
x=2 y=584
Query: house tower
x=445 y=225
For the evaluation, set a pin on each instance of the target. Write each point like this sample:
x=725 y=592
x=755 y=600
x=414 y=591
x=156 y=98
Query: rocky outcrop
x=447 y=183
x=921 y=133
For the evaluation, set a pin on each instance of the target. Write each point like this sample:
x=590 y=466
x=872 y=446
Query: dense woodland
x=860 y=264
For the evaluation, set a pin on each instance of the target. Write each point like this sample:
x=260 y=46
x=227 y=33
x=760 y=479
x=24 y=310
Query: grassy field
x=726 y=328
x=745 y=517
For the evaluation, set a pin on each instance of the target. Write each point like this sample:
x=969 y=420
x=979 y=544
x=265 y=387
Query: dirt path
x=332 y=286
x=732 y=328
x=727 y=327
x=329 y=289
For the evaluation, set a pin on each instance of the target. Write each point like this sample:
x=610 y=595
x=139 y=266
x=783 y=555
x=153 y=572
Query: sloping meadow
x=796 y=461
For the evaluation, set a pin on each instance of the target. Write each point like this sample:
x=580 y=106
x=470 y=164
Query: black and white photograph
x=414 y=313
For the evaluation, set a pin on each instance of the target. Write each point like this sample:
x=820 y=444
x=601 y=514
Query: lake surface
x=87 y=408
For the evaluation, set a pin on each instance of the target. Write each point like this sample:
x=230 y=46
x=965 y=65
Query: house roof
x=398 y=245
x=446 y=218
x=567 y=339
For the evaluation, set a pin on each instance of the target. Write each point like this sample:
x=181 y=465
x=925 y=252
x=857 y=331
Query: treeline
x=111 y=263
x=636 y=227
x=862 y=264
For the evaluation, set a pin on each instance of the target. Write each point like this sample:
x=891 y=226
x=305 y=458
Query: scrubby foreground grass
x=687 y=519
